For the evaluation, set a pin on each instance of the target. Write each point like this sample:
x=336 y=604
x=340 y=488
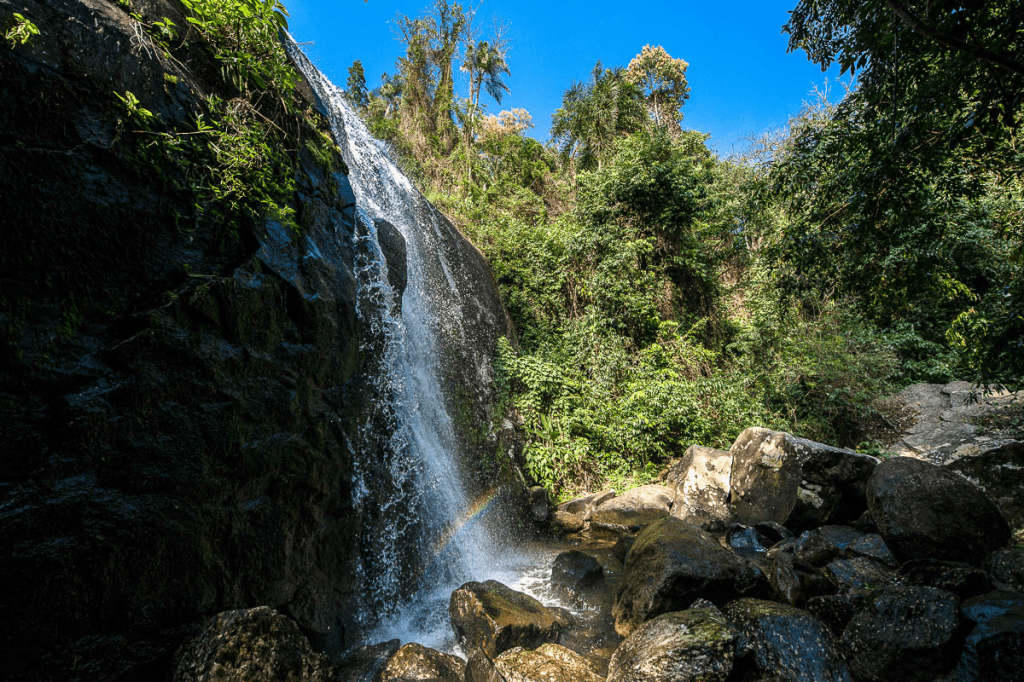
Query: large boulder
x=574 y=572
x=925 y=511
x=786 y=642
x=417 y=663
x=634 y=508
x=546 y=663
x=902 y=633
x=251 y=645
x=796 y=482
x=673 y=563
x=694 y=645
x=491 y=618
x=701 y=484
x=1005 y=567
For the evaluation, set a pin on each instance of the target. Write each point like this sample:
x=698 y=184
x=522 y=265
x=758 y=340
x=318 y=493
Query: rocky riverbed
x=778 y=559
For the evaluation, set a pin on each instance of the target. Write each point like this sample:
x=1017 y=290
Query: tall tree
x=357 y=93
x=663 y=80
x=485 y=63
x=594 y=114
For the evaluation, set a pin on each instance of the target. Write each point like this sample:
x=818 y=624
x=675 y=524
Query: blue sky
x=742 y=81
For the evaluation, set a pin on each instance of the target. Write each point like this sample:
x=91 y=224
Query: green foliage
x=19 y=30
x=245 y=36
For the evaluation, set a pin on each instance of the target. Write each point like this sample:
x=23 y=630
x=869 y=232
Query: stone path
x=942 y=432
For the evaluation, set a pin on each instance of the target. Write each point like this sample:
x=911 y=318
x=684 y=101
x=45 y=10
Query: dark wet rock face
x=254 y=645
x=903 y=633
x=994 y=649
x=670 y=565
x=491 y=618
x=179 y=396
x=364 y=663
x=1005 y=568
x=925 y=511
x=786 y=642
x=683 y=646
x=574 y=572
x=961 y=579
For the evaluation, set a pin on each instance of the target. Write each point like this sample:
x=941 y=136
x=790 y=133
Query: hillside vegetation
x=664 y=296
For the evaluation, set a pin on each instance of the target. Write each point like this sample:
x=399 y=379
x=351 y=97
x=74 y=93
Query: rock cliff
x=180 y=379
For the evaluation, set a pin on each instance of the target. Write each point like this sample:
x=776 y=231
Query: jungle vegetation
x=664 y=296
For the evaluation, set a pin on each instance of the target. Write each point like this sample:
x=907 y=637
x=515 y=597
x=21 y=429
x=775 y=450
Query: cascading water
x=422 y=539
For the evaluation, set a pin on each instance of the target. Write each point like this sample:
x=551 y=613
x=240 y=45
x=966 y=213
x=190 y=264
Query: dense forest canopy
x=664 y=296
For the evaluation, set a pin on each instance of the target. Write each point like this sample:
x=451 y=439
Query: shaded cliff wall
x=177 y=390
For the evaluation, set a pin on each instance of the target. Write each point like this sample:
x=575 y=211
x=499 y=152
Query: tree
x=663 y=80
x=923 y=52
x=357 y=92
x=594 y=114
x=485 y=63
x=910 y=189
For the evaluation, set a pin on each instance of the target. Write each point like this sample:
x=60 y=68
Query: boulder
x=836 y=610
x=251 y=645
x=747 y=541
x=998 y=473
x=634 y=508
x=364 y=663
x=961 y=579
x=1005 y=567
x=582 y=506
x=786 y=642
x=546 y=663
x=902 y=633
x=671 y=564
x=701 y=484
x=795 y=482
x=821 y=545
x=539 y=506
x=994 y=649
x=859 y=573
x=926 y=511
x=567 y=522
x=574 y=571
x=493 y=618
x=696 y=644
x=794 y=581
x=417 y=663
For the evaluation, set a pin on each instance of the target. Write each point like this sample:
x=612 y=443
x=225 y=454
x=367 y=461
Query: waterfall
x=420 y=540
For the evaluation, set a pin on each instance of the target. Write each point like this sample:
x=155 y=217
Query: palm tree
x=594 y=114
x=485 y=63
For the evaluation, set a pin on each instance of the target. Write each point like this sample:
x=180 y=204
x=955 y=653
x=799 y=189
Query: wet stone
x=671 y=564
x=784 y=641
x=994 y=649
x=902 y=633
x=858 y=573
x=574 y=571
x=696 y=644
x=417 y=663
x=547 y=663
x=961 y=579
x=493 y=618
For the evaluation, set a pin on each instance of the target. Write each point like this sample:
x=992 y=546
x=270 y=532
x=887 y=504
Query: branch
x=917 y=26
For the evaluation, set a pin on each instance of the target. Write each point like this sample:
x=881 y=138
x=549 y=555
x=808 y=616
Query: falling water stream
x=422 y=507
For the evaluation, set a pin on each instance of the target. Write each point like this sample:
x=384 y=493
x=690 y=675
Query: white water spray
x=420 y=504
